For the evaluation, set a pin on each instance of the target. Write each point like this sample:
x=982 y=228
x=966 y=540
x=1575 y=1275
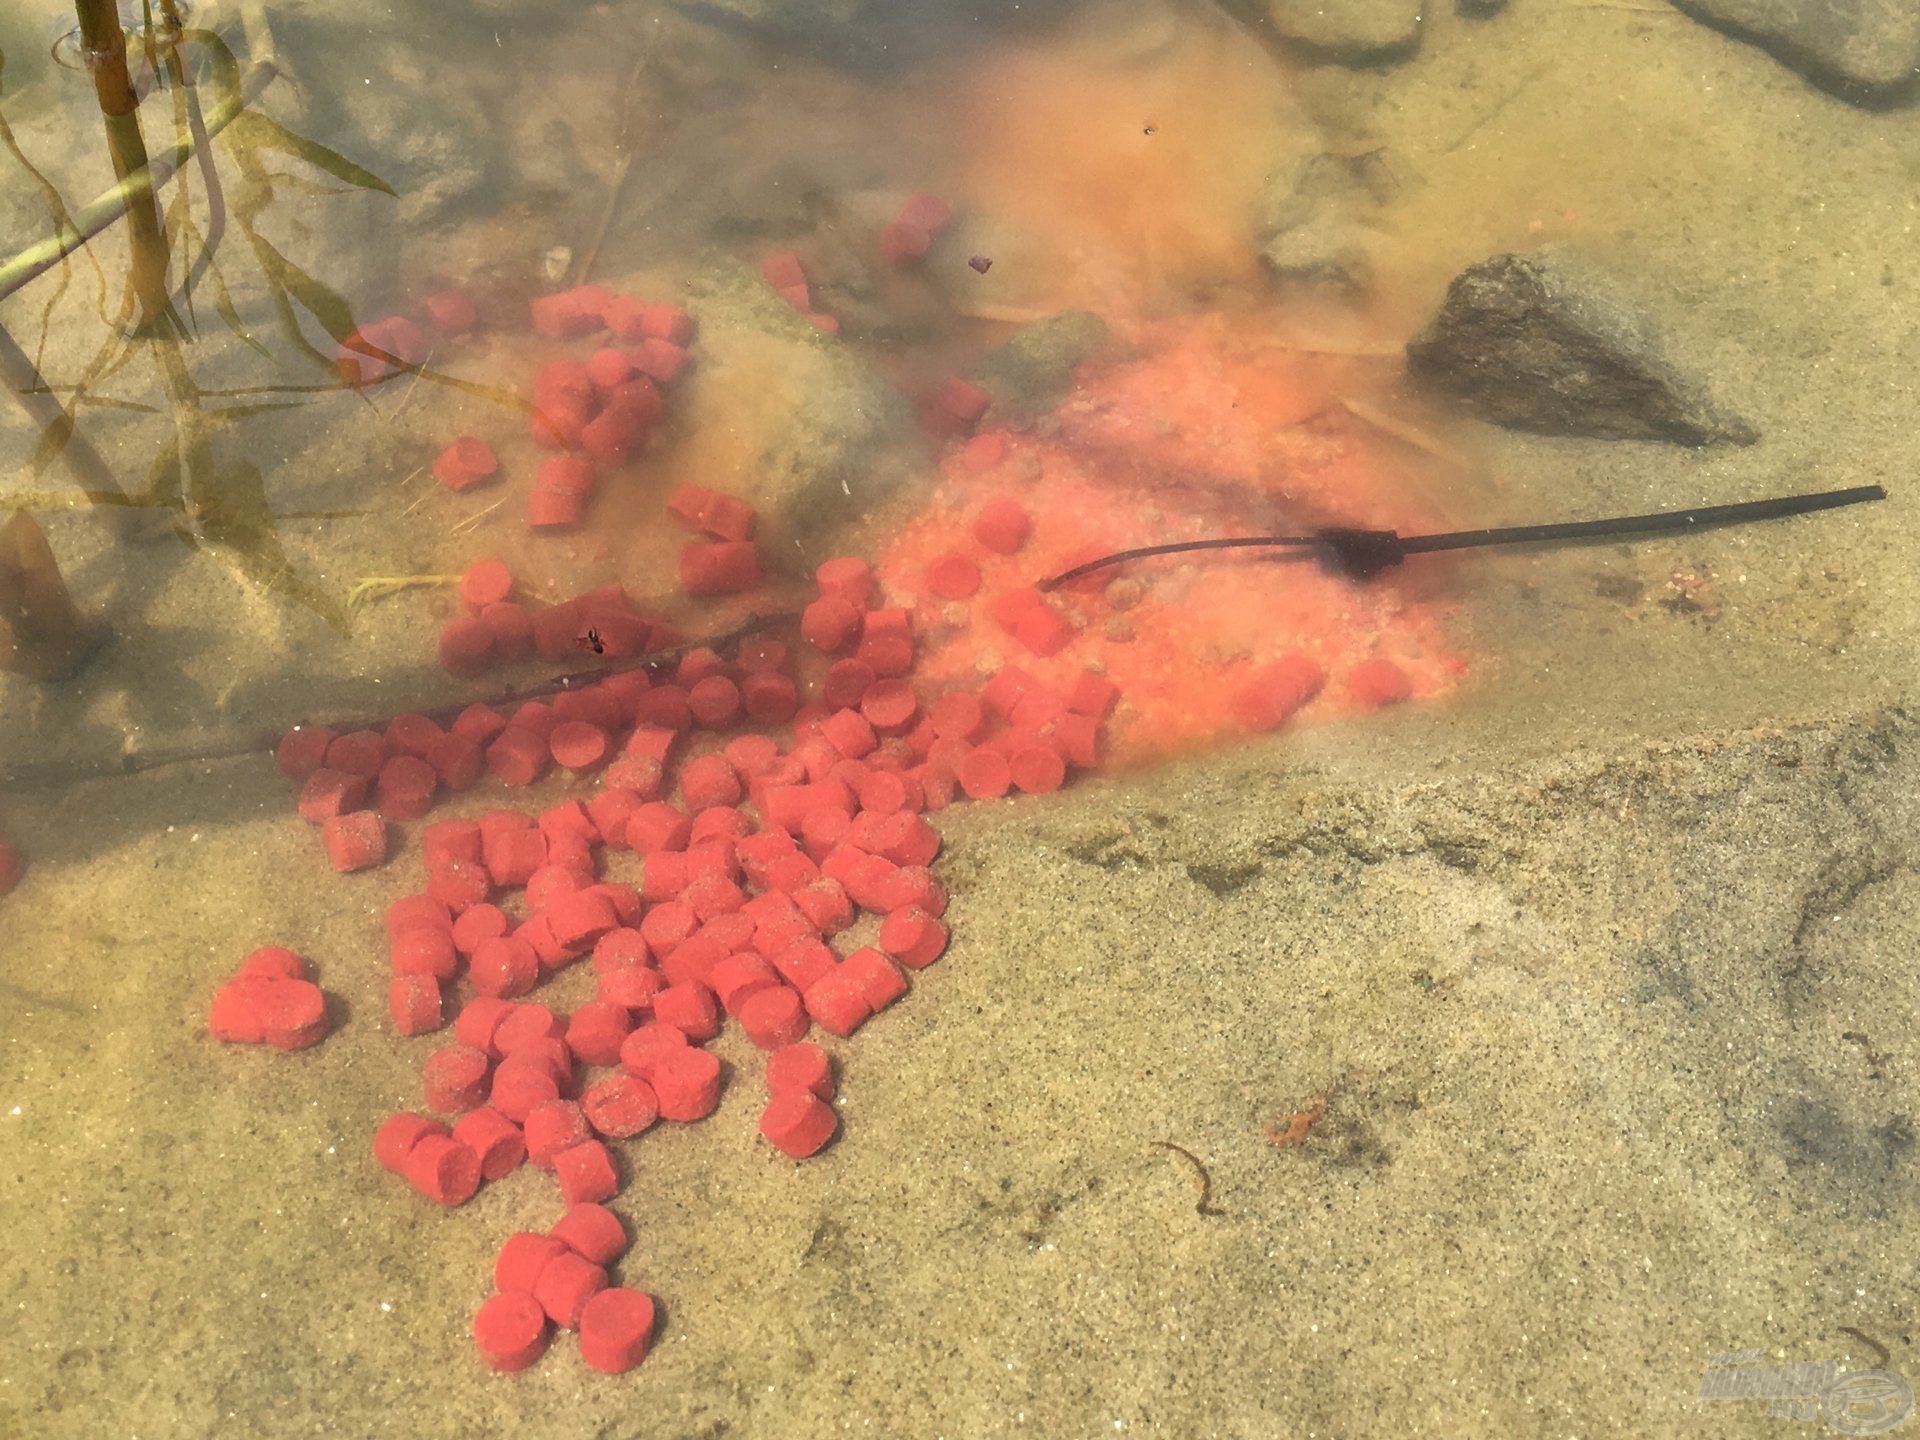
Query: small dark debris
x=980 y=263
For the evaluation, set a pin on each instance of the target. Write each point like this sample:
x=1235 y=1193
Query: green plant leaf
x=229 y=314
x=263 y=130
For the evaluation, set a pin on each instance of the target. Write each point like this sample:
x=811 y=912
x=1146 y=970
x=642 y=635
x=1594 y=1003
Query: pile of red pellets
x=765 y=811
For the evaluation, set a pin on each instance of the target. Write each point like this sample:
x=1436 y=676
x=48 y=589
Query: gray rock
x=1031 y=373
x=1479 y=9
x=1313 y=224
x=1544 y=344
x=1864 y=51
x=1348 y=32
x=843 y=445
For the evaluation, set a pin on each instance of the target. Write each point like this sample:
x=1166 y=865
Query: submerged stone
x=1540 y=343
x=1348 y=32
x=1864 y=51
x=1312 y=229
x=1030 y=374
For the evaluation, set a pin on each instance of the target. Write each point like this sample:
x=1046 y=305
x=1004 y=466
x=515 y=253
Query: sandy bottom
x=1607 y=1061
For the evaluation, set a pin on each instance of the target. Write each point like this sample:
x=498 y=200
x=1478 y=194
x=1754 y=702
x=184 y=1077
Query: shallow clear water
x=1533 y=987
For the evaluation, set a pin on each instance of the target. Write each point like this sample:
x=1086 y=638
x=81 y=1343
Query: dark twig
x=1205 y=1205
x=1365 y=553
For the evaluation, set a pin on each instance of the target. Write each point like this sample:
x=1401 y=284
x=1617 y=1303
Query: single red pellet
x=1378 y=682
x=616 y=1329
x=494 y=1138
x=413 y=1003
x=620 y=1106
x=519 y=1086
x=553 y=1126
x=1272 y=693
x=927 y=212
x=847 y=576
x=592 y=1232
x=803 y=963
x=586 y=1172
x=504 y=967
x=661 y=321
x=798 y=1122
x=984 y=774
x=518 y=756
x=526 y=1024
x=913 y=937
x=552 y=510
x=953 y=577
x=510 y=1330
x=660 y=360
x=644 y=1047
x=690 y=1007
x=837 y=1002
x=782 y=269
x=577 y=745
x=465 y=646
x=303 y=750
x=714 y=702
x=466 y=462
x=724 y=567
x=961 y=401
x=443 y=1170
x=404 y=788
x=450 y=311
x=901 y=242
x=523 y=1259
x=890 y=706
x=567 y=1282
x=454 y=1079
x=880 y=981
x=356 y=841
x=686 y=1082
x=1036 y=769
x=596 y=1031
x=773 y=1017
x=397 y=1136
x=484 y=583
x=801 y=1066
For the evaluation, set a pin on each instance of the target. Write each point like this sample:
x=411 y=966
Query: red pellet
x=801 y=1066
x=465 y=646
x=494 y=1138
x=725 y=567
x=953 y=577
x=596 y=1031
x=1036 y=769
x=890 y=706
x=686 y=1082
x=646 y=1045
x=552 y=510
x=667 y=322
x=518 y=756
x=510 y=1330
x=620 y=1106
x=924 y=211
x=901 y=242
x=504 y=967
x=404 y=789
x=616 y=1329
x=837 y=1002
x=397 y=1136
x=690 y=1007
x=551 y=1127
x=880 y=982
x=798 y=1122
x=592 y=1232
x=443 y=1170
x=586 y=1172
x=524 y=1025
x=984 y=774
x=660 y=360
x=1272 y=693
x=303 y=750
x=913 y=937
x=578 y=746
x=355 y=842
x=328 y=793
x=450 y=311
x=361 y=753
x=714 y=702
x=467 y=461
x=455 y=1079
x=523 y=1259
x=960 y=402
x=773 y=1017
x=783 y=269
x=413 y=1003
x=848 y=577
x=567 y=1282
x=484 y=583
x=1378 y=682
x=519 y=1086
